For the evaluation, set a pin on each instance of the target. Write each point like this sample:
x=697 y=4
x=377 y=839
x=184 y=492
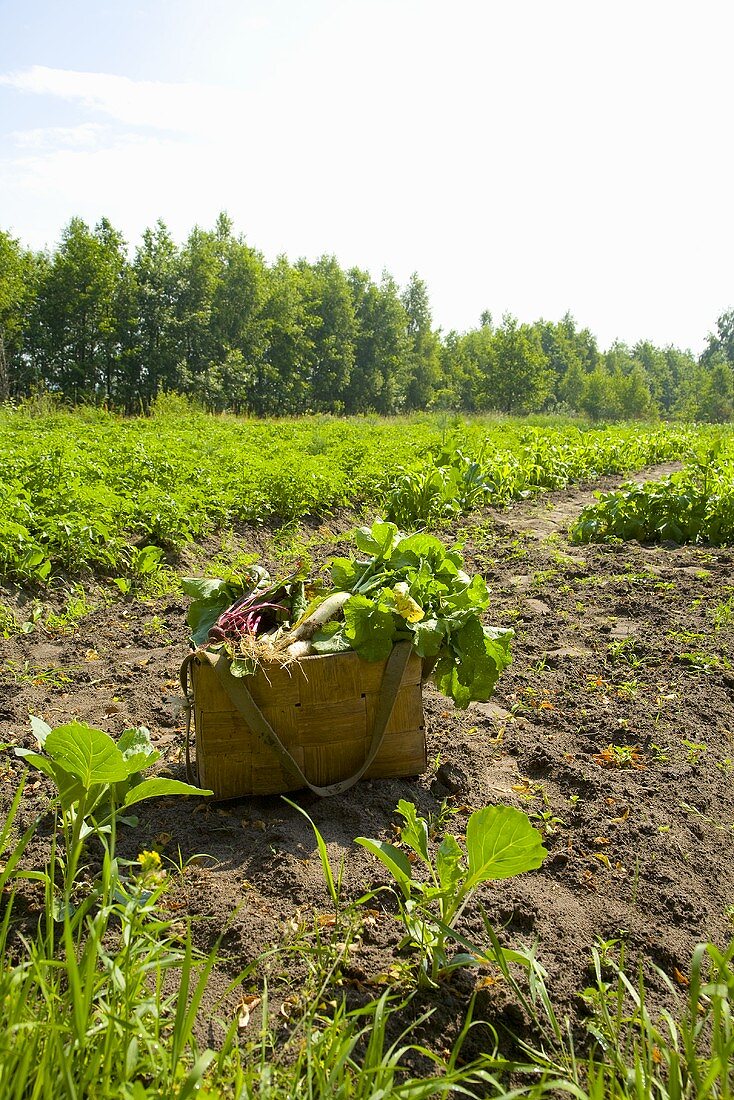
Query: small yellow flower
x=149 y=861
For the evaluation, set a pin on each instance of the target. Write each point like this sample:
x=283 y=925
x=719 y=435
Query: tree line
x=213 y=320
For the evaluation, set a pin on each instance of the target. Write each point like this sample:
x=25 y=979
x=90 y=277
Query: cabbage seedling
x=500 y=843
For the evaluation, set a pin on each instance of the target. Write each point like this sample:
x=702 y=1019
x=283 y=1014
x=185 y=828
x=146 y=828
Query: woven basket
x=322 y=722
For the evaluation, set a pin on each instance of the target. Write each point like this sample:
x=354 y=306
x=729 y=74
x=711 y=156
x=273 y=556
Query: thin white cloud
x=128 y=167
x=86 y=135
x=184 y=108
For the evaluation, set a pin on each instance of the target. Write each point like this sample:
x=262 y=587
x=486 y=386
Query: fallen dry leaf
x=244 y=1009
x=622 y=817
x=488 y=981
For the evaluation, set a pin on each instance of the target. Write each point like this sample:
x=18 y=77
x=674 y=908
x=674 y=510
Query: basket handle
x=184 y=679
x=239 y=694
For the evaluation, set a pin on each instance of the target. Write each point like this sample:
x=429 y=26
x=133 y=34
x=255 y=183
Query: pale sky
x=523 y=156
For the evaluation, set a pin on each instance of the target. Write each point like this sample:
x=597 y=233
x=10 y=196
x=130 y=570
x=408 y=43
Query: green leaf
x=423 y=546
x=414 y=588
x=137 y=749
x=449 y=864
x=428 y=637
x=471 y=670
x=148 y=559
x=378 y=540
x=497 y=646
x=344 y=573
x=500 y=843
x=37 y=761
x=331 y=639
x=415 y=831
x=89 y=754
x=473 y=597
x=211 y=596
x=242 y=666
x=414 y=549
x=40 y=729
x=204 y=588
x=396 y=861
x=156 y=787
x=369 y=627
x=299 y=603
x=203 y=614
x=69 y=787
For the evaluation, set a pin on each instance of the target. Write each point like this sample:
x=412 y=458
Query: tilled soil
x=613 y=729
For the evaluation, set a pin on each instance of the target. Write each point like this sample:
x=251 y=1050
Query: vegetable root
x=302 y=648
x=329 y=609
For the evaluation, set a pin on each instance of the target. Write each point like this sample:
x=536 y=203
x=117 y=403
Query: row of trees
x=213 y=320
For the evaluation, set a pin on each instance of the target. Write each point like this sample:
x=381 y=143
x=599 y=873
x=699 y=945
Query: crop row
x=84 y=490
x=693 y=505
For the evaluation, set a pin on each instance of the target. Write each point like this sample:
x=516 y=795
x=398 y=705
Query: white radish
x=322 y=615
x=300 y=649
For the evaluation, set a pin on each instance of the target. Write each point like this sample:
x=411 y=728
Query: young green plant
x=94 y=776
x=500 y=843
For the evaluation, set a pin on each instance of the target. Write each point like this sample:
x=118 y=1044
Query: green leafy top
x=413 y=588
x=209 y=599
x=225 y=609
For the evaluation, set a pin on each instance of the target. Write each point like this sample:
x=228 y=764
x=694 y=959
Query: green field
x=80 y=489
x=104 y=977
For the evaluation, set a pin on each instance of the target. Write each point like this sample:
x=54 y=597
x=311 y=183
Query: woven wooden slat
x=323 y=711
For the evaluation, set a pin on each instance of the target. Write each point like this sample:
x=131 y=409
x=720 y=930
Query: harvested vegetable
x=328 y=609
x=408 y=588
x=226 y=611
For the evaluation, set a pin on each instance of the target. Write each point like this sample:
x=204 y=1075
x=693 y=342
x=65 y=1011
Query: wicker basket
x=322 y=722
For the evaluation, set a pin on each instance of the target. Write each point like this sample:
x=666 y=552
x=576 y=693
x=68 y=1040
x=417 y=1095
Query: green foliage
x=105 y=997
x=87 y=764
x=213 y=321
x=11 y=850
x=80 y=1018
x=21 y=276
x=410 y=589
x=143 y=565
x=500 y=842
x=89 y=491
x=416 y=498
x=94 y=776
x=209 y=598
x=687 y=1052
x=461 y=479
x=242 y=605
x=454 y=485
x=696 y=505
x=414 y=589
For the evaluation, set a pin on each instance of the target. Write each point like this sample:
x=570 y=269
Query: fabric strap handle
x=184 y=679
x=239 y=694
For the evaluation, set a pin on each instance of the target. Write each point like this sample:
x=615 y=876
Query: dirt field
x=613 y=728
